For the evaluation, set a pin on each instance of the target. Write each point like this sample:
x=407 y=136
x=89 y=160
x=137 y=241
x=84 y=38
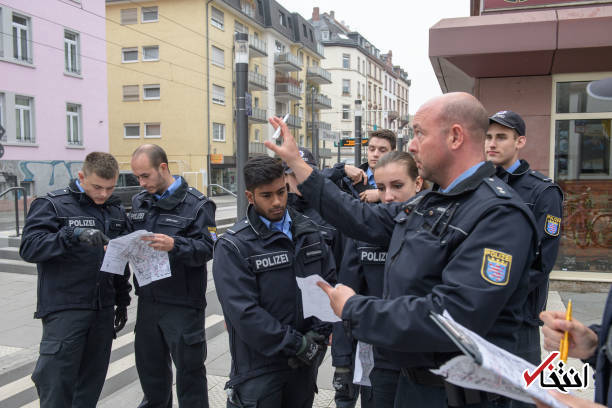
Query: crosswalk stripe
x=116 y=367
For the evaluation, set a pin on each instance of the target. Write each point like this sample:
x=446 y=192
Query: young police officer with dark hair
x=65 y=234
x=505 y=139
x=465 y=247
x=170 y=319
x=276 y=352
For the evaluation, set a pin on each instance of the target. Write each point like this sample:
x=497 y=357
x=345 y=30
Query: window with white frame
x=218 y=94
x=72 y=52
x=131 y=130
x=218 y=56
x=280 y=47
x=129 y=16
x=23 y=119
x=21 y=38
x=346 y=61
x=152 y=130
x=216 y=18
x=325 y=35
x=282 y=19
x=151 y=92
x=346 y=112
x=130 y=93
x=129 y=54
x=256 y=136
x=149 y=14
x=3 y=136
x=73 y=124
x=240 y=28
x=150 y=53
x=1 y=30
x=218 y=132
x=346 y=87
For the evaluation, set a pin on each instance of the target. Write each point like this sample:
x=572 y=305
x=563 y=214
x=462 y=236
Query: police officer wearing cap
x=504 y=141
x=170 y=319
x=465 y=247
x=65 y=234
x=276 y=352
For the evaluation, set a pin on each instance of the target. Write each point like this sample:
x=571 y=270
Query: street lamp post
x=358 y=114
x=315 y=129
x=241 y=59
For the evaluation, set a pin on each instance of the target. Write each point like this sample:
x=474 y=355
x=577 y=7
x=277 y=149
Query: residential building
x=53 y=105
x=360 y=72
x=192 y=102
x=557 y=48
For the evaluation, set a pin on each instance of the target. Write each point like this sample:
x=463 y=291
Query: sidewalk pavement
x=20 y=335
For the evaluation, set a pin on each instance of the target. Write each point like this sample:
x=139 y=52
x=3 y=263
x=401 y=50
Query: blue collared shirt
x=514 y=166
x=370 y=175
x=170 y=190
x=79 y=185
x=462 y=177
x=283 y=225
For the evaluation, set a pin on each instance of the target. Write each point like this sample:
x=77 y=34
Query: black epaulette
x=196 y=193
x=57 y=193
x=540 y=176
x=233 y=230
x=499 y=188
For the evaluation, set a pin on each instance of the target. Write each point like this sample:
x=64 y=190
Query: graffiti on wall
x=44 y=175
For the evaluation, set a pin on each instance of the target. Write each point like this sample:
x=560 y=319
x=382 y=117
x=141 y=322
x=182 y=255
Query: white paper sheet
x=314 y=301
x=364 y=363
x=501 y=372
x=146 y=263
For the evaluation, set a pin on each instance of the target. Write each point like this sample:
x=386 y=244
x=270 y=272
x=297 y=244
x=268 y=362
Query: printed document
x=146 y=263
x=314 y=301
x=501 y=372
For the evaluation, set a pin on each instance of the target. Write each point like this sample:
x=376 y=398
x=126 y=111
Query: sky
x=400 y=26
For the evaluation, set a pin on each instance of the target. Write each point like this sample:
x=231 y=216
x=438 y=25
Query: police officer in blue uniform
x=170 y=319
x=464 y=247
x=65 y=234
x=504 y=141
x=276 y=352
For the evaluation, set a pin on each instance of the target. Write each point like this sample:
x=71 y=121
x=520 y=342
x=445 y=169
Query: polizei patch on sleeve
x=273 y=260
x=553 y=225
x=496 y=267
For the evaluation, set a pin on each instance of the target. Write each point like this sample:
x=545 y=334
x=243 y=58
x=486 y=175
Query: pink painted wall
x=531 y=98
x=48 y=84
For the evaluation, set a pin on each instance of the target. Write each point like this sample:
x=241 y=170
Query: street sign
x=351 y=142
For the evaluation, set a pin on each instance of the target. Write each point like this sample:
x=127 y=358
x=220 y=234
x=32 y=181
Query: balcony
x=287 y=91
x=392 y=115
x=318 y=125
x=294 y=121
x=257 y=82
x=403 y=121
x=258 y=47
x=258 y=116
x=256 y=148
x=318 y=75
x=287 y=62
x=320 y=101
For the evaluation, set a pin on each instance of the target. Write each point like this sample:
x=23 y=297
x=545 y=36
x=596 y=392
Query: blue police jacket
x=545 y=199
x=69 y=275
x=602 y=359
x=254 y=271
x=188 y=216
x=466 y=251
x=363 y=269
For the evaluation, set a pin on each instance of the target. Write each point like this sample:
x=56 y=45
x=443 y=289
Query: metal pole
x=16 y=212
x=357 y=132
x=315 y=128
x=339 y=144
x=25 y=206
x=242 y=134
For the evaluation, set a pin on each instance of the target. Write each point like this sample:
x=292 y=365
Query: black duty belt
x=422 y=376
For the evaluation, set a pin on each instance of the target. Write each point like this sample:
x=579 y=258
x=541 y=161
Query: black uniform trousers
x=166 y=333
x=380 y=395
x=74 y=354
x=279 y=389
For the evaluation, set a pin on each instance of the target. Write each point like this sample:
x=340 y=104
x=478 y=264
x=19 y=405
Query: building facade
x=179 y=77
x=53 y=104
x=360 y=72
x=557 y=48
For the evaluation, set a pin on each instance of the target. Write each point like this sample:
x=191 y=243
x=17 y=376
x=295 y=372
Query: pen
x=564 y=346
x=278 y=129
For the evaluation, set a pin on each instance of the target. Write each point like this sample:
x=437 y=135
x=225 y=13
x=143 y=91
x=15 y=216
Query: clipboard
x=464 y=344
